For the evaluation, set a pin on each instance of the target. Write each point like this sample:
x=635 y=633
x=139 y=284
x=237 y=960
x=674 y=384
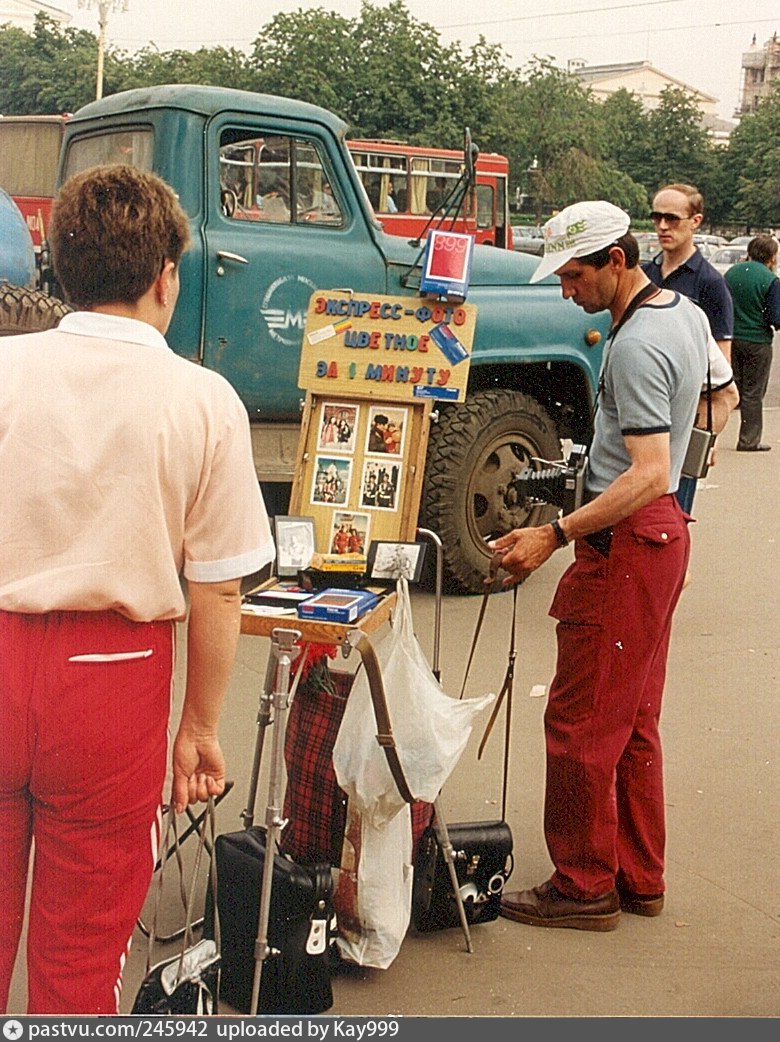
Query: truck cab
x=277 y=210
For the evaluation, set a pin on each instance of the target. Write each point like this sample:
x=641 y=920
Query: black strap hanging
x=507 y=686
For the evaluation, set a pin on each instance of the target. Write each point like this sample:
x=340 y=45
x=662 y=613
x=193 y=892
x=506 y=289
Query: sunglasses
x=669 y=218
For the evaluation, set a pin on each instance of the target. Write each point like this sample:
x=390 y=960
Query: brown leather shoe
x=641 y=904
x=545 y=905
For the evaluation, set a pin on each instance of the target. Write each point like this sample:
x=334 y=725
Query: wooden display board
x=373 y=369
x=355 y=491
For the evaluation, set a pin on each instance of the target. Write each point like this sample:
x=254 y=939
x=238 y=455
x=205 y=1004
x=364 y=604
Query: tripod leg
x=446 y=848
x=285 y=652
x=263 y=719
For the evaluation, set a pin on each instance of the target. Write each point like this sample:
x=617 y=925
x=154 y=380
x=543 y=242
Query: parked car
x=725 y=256
x=648 y=245
x=528 y=238
x=710 y=240
x=741 y=240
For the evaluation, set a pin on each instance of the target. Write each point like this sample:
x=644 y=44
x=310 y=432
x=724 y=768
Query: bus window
x=408 y=184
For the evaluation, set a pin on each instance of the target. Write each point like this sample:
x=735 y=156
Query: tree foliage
x=390 y=76
x=754 y=164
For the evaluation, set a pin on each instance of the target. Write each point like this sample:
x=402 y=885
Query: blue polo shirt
x=704 y=285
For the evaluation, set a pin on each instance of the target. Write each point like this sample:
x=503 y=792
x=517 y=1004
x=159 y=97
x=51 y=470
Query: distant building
x=760 y=70
x=21 y=14
x=648 y=83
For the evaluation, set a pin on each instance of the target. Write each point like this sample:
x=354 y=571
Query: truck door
x=282 y=219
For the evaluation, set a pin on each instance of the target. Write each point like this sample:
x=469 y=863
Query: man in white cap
x=604 y=815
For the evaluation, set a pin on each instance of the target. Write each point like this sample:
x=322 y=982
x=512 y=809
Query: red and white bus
x=29 y=154
x=407 y=183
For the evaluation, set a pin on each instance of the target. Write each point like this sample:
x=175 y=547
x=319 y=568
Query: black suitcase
x=296 y=976
x=482 y=853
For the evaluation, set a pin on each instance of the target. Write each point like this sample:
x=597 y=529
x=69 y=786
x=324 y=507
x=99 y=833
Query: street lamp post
x=103 y=6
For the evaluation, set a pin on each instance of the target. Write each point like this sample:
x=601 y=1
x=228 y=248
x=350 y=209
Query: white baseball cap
x=579 y=230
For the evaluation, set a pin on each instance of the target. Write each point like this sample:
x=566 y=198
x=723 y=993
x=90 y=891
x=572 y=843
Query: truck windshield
x=132 y=146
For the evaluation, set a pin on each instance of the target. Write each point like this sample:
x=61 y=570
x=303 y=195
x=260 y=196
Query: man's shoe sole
x=635 y=904
x=595 y=923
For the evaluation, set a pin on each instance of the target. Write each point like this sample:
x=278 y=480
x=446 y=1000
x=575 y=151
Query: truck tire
x=474 y=451
x=28 y=310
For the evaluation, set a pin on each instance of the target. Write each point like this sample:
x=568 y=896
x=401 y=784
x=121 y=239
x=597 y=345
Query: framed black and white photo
x=295 y=544
x=388 y=562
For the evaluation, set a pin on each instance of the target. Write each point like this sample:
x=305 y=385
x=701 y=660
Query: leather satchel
x=296 y=976
x=482 y=852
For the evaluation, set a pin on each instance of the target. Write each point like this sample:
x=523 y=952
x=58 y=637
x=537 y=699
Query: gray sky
x=700 y=43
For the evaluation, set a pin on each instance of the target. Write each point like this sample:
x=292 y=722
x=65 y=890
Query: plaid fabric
x=314 y=804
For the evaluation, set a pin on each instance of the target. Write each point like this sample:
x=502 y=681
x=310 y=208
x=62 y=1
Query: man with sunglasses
x=680 y=266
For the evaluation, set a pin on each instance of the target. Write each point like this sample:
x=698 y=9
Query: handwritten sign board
x=391 y=348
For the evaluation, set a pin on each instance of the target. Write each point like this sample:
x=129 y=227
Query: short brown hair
x=627 y=243
x=112 y=229
x=694 y=196
x=762 y=249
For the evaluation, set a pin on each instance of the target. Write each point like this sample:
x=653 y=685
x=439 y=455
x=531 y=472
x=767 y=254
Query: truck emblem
x=286 y=322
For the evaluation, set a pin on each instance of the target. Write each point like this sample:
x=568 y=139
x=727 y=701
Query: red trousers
x=84 y=710
x=604 y=814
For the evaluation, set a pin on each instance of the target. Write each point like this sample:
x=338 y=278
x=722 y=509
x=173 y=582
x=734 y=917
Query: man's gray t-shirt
x=651 y=381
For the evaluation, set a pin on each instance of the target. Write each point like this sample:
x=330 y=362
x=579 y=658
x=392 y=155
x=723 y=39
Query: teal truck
x=278 y=210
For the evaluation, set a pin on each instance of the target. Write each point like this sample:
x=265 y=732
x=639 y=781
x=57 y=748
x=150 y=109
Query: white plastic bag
x=373 y=897
x=431 y=728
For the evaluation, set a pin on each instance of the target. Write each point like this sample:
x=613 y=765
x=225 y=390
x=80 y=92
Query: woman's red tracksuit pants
x=85 y=703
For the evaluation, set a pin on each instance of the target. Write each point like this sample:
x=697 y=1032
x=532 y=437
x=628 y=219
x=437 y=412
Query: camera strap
x=644 y=294
x=709 y=396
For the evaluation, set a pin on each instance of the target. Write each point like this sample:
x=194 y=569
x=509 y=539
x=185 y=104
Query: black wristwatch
x=560 y=535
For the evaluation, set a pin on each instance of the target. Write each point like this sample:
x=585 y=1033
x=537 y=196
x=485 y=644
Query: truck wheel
x=28 y=310
x=474 y=451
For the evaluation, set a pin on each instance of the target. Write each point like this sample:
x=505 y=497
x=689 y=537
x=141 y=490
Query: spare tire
x=28 y=310
x=473 y=453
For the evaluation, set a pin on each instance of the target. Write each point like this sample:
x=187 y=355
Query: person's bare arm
x=724 y=402
x=212 y=640
x=645 y=480
x=725 y=346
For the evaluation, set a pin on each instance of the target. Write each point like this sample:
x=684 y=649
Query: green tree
x=625 y=134
x=51 y=69
x=753 y=165
x=679 y=149
x=215 y=66
x=307 y=55
x=556 y=123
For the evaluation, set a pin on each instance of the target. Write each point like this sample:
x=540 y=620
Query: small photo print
x=332 y=478
x=386 y=430
x=380 y=484
x=349 y=533
x=338 y=427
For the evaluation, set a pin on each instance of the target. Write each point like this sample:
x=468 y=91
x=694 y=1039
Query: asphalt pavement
x=715 y=950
